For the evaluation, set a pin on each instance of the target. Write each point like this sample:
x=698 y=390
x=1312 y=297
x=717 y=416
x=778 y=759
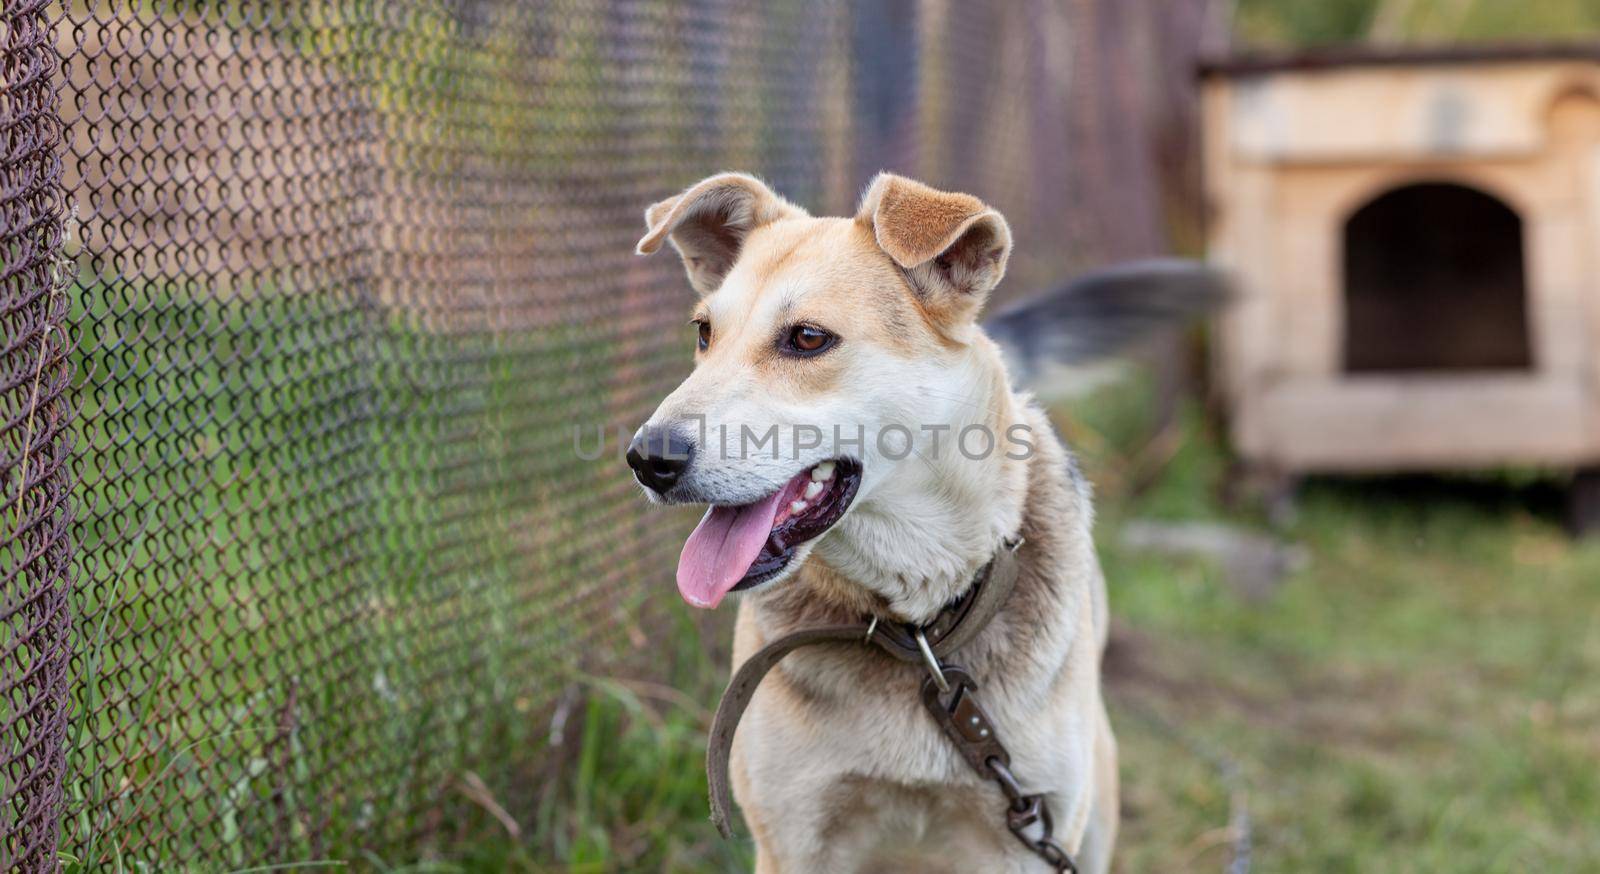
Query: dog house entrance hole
x=1434 y=280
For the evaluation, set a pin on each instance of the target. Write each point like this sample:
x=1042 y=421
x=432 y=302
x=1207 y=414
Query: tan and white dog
x=863 y=453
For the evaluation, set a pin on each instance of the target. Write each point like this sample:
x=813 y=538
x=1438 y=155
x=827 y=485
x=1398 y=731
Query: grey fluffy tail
x=1100 y=314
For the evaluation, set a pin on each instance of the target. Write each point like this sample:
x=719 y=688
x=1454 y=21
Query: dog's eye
x=705 y=334
x=808 y=340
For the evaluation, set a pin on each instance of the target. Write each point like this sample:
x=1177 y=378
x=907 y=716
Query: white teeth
x=813 y=489
x=797 y=507
x=822 y=472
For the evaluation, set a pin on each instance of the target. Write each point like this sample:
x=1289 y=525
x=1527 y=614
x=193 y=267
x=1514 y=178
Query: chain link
x=969 y=728
x=1027 y=811
x=36 y=474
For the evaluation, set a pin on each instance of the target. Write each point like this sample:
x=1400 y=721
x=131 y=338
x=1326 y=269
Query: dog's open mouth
x=744 y=546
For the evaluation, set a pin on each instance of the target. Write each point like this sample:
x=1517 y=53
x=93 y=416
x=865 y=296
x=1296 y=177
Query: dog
x=892 y=458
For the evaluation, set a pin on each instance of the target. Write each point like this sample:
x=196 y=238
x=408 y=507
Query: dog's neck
x=920 y=538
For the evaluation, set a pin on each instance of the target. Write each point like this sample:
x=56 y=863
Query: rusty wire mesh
x=34 y=446
x=326 y=286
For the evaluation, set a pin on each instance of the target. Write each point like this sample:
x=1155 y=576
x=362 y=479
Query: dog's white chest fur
x=863 y=780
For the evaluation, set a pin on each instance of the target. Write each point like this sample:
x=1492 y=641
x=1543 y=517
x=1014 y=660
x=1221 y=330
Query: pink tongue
x=722 y=548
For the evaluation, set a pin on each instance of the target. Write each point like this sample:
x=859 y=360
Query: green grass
x=1309 y=22
x=1421 y=697
x=629 y=790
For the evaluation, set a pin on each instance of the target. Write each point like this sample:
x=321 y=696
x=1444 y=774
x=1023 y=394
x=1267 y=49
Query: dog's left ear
x=952 y=246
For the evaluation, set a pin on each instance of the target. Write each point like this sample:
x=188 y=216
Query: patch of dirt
x=1186 y=683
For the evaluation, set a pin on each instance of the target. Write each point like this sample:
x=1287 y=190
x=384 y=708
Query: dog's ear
x=708 y=224
x=952 y=246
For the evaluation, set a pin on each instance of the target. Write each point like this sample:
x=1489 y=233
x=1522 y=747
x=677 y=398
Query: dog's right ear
x=709 y=222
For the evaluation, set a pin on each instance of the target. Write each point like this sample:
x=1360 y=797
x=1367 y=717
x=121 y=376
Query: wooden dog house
x=1416 y=235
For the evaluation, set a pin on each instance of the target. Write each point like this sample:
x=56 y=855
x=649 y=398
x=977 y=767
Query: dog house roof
x=1336 y=57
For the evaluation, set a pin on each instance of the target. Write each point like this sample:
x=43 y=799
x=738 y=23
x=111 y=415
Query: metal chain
x=950 y=695
x=1026 y=811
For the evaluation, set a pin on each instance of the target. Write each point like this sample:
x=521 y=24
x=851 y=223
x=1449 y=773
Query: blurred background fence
x=302 y=303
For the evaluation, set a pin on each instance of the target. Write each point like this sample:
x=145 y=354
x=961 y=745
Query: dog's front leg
x=766 y=859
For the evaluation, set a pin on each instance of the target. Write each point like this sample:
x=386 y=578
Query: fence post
x=35 y=509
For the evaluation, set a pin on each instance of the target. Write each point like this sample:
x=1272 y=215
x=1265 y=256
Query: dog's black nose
x=658 y=457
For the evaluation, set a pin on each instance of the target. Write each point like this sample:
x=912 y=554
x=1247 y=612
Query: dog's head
x=827 y=351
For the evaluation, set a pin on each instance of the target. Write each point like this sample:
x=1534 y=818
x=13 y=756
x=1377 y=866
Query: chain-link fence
x=301 y=304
